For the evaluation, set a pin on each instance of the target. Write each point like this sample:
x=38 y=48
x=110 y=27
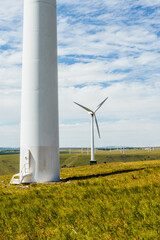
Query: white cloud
x=84 y=73
x=9 y=107
x=9 y=135
x=149 y=3
x=117 y=133
x=126 y=101
x=10 y=10
x=10 y=77
x=149 y=58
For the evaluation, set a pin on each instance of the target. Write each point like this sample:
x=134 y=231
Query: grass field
x=81 y=159
x=9 y=164
x=104 y=201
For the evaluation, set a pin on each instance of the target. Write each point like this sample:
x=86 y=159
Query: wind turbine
x=93 y=116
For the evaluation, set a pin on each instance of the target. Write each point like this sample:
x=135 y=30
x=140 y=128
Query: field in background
x=74 y=158
x=9 y=163
x=104 y=201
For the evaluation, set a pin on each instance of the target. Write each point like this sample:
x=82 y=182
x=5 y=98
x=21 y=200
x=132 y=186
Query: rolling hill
x=9 y=164
x=104 y=201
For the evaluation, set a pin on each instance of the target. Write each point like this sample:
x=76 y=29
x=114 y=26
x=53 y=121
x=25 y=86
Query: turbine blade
x=100 y=104
x=87 y=109
x=97 y=125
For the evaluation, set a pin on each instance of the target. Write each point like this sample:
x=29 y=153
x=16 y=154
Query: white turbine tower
x=39 y=145
x=93 y=116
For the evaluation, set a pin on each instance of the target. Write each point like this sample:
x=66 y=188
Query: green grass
x=104 y=201
x=9 y=164
x=78 y=159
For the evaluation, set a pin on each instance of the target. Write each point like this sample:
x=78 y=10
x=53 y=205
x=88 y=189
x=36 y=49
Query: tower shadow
x=100 y=175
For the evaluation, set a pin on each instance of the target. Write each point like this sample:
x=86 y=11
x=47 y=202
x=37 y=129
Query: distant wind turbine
x=93 y=116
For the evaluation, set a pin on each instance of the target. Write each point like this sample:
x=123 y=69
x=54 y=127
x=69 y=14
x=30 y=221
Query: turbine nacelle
x=91 y=113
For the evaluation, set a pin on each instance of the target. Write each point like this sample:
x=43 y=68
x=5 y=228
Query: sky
x=105 y=49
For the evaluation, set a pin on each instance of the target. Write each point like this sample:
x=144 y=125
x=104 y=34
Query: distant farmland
x=9 y=163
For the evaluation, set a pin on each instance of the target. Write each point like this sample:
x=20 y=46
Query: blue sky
x=105 y=48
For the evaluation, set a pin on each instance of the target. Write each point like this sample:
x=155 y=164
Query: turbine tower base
x=93 y=162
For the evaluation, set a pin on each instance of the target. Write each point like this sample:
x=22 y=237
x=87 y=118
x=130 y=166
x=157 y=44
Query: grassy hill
x=9 y=164
x=82 y=159
x=104 y=201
